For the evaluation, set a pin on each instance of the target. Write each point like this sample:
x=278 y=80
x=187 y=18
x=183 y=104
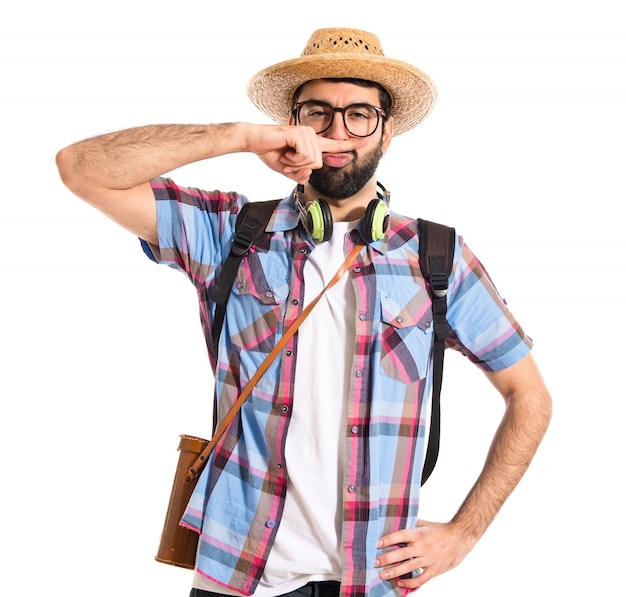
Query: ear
x=387 y=134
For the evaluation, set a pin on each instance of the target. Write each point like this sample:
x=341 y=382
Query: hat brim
x=413 y=93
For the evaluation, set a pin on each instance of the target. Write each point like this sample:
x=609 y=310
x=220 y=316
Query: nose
x=337 y=128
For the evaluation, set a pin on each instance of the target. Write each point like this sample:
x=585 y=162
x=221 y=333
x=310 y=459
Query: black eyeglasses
x=360 y=120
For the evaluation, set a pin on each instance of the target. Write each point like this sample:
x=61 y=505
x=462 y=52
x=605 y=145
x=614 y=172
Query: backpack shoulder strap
x=249 y=230
x=436 y=251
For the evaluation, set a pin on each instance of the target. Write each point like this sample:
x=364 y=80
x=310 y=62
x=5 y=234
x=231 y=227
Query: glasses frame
x=380 y=114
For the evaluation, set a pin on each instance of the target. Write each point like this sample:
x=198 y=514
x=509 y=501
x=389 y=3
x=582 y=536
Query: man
x=314 y=488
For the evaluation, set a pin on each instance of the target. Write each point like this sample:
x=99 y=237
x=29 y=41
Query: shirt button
x=239 y=285
x=295 y=301
x=362 y=316
x=270 y=524
x=399 y=319
x=356 y=270
x=427 y=324
x=289 y=353
x=351 y=488
x=304 y=250
x=354 y=429
x=359 y=373
x=279 y=465
x=285 y=409
x=269 y=294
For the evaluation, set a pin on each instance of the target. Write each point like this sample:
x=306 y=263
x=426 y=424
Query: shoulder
x=404 y=232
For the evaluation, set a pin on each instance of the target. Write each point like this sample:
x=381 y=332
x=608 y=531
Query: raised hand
x=295 y=151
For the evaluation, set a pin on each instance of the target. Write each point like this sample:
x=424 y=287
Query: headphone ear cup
x=319 y=220
x=375 y=220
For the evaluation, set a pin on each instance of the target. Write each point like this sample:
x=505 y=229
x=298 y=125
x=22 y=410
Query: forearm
x=128 y=158
x=520 y=432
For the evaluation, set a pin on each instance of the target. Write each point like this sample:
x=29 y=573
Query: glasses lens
x=360 y=120
x=317 y=115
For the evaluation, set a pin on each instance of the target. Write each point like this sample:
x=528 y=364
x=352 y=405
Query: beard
x=341 y=183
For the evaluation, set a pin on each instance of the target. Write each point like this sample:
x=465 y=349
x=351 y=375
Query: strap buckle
x=242 y=242
x=439 y=284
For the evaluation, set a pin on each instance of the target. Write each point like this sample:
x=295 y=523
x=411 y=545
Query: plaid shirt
x=239 y=498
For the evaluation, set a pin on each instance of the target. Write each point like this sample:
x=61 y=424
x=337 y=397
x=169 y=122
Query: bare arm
x=525 y=421
x=112 y=171
x=438 y=547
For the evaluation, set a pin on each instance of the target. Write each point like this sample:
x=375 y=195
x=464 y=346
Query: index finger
x=400 y=538
x=327 y=145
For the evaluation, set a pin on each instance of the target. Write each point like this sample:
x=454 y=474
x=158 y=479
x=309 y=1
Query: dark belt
x=326 y=588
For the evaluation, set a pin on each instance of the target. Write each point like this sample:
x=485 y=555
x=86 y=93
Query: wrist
x=246 y=136
x=468 y=528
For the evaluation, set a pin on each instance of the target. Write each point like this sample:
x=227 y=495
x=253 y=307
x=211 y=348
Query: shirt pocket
x=256 y=307
x=406 y=333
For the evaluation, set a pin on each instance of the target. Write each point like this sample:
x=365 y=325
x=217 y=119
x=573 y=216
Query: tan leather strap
x=196 y=467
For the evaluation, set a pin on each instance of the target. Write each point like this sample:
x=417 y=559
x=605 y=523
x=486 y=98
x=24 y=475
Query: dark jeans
x=328 y=588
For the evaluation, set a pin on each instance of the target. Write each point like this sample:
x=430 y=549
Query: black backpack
x=436 y=254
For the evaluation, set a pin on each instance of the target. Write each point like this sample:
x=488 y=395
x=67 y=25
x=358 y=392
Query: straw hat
x=339 y=53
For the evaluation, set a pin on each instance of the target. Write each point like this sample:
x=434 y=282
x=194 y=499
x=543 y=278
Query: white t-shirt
x=307 y=541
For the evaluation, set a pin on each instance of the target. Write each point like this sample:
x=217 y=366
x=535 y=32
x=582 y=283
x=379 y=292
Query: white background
x=102 y=360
